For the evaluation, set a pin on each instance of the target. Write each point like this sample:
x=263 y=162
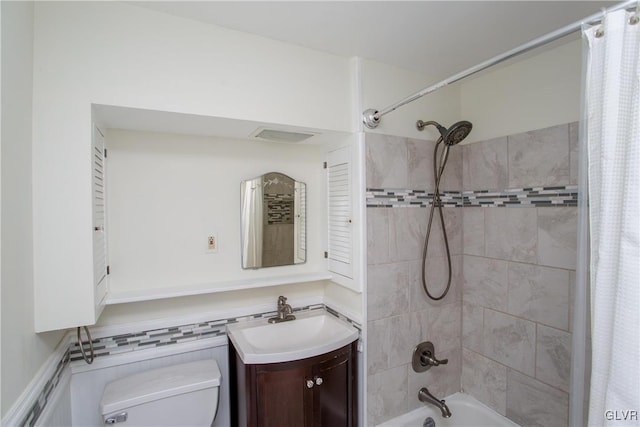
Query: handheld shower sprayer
x=448 y=137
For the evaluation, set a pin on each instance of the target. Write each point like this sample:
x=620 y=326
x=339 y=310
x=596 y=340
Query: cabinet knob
x=309 y=383
x=319 y=381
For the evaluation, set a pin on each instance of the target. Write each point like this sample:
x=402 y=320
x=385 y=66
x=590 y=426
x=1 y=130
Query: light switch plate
x=212 y=243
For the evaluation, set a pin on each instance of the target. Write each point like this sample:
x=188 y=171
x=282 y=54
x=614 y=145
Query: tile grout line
x=515 y=370
x=519 y=317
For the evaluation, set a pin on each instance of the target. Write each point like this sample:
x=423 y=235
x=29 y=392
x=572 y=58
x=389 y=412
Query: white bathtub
x=465 y=412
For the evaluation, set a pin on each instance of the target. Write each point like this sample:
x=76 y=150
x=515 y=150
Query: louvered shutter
x=99 y=215
x=340 y=239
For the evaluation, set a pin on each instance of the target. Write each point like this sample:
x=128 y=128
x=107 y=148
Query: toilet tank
x=178 y=395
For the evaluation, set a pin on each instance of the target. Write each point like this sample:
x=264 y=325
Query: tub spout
x=425 y=396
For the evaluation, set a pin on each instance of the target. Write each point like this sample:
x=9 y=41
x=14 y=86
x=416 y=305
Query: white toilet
x=180 y=395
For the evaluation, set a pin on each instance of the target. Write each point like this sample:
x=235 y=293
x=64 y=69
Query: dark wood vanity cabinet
x=318 y=391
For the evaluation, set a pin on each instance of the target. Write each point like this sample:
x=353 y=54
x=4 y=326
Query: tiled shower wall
x=399 y=314
x=505 y=326
x=519 y=270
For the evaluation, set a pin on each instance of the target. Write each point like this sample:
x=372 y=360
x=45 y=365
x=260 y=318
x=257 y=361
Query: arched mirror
x=273 y=221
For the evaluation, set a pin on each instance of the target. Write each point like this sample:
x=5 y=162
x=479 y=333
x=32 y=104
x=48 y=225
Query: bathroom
x=176 y=95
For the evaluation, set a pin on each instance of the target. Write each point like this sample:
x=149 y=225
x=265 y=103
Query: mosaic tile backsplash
x=109 y=346
x=143 y=340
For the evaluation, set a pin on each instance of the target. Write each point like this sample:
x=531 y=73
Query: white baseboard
x=34 y=392
x=57 y=413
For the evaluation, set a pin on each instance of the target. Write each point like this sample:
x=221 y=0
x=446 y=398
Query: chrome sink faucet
x=285 y=312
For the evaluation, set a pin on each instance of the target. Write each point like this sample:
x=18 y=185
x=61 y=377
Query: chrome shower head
x=452 y=136
x=457 y=132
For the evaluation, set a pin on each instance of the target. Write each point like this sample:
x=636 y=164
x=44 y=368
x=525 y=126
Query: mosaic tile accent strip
x=43 y=398
x=109 y=346
x=532 y=196
x=516 y=197
x=178 y=334
x=397 y=198
x=341 y=316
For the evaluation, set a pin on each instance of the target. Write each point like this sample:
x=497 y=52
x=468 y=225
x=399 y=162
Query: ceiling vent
x=275 y=135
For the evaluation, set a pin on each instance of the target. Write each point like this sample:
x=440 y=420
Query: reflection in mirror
x=273 y=221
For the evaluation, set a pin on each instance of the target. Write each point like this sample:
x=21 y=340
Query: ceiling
x=437 y=38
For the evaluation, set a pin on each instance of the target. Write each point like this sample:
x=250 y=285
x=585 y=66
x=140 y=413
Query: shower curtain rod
x=371 y=117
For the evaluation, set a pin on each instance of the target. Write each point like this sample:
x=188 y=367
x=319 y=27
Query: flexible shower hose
x=437 y=203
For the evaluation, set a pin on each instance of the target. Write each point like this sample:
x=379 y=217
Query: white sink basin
x=311 y=334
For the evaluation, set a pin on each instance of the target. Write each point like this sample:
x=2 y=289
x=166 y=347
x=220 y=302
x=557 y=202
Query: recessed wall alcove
x=173 y=179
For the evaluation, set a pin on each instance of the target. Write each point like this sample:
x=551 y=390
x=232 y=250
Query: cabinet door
x=340 y=214
x=288 y=394
x=333 y=396
x=283 y=396
x=100 y=267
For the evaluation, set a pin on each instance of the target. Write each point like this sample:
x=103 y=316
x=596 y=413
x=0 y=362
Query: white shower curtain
x=612 y=110
x=252 y=222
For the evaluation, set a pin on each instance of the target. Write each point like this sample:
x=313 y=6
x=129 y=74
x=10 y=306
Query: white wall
x=1 y=57
x=117 y=54
x=384 y=85
x=167 y=193
x=212 y=306
x=23 y=352
x=535 y=92
x=538 y=90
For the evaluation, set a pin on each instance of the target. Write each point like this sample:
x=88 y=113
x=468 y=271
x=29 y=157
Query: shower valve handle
x=424 y=357
x=428 y=359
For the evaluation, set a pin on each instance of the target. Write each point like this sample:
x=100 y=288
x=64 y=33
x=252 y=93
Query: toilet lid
x=159 y=383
